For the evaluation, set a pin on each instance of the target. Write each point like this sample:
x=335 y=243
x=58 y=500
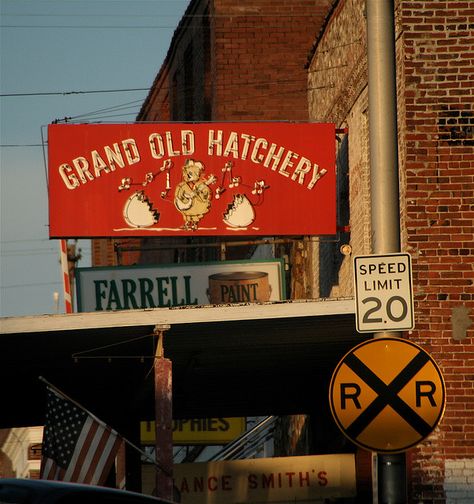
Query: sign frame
x=191 y=179
x=387 y=423
x=383 y=291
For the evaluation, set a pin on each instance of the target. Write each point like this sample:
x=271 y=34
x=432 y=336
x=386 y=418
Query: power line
x=95 y=27
x=21 y=145
x=96 y=118
x=148 y=16
x=31 y=252
x=27 y=240
x=37 y=284
x=65 y=93
x=107 y=109
x=95 y=2
x=248 y=15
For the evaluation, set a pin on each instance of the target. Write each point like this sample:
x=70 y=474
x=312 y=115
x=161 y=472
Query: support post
x=385 y=206
x=163 y=422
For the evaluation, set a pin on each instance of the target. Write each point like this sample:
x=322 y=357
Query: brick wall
x=260 y=50
x=245 y=62
x=103 y=253
x=435 y=76
x=438 y=91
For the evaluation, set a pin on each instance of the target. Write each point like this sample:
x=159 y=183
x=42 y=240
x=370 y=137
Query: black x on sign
x=387 y=395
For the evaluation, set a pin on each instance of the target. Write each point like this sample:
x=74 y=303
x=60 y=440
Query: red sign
x=171 y=179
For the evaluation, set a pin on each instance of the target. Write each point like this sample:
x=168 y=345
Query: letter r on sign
x=350 y=391
x=427 y=389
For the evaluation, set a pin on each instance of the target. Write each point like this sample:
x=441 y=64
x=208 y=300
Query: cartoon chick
x=193 y=195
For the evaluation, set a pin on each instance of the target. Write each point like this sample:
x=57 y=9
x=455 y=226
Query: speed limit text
x=379 y=270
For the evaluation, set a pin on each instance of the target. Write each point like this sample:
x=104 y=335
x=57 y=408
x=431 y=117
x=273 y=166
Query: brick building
x=434 y=53
x=306 y=60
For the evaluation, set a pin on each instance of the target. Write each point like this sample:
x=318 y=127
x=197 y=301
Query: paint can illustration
x=239 y=287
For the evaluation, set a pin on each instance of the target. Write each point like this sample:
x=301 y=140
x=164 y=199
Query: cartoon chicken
x=193 y=195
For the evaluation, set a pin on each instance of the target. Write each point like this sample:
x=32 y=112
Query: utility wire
x=107 y=109
x=254 y=83
x=26 y=240
x=36 y=284
x=94 y=27
x=21 y=145
x=64 y=93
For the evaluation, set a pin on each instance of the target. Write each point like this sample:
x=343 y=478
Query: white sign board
x=383 y=293
x=184 y=284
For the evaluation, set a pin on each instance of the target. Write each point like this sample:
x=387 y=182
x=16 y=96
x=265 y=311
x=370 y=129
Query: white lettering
x=68 y=178
x=316 y=175
x=247 y=140
x=156 y=145
x=82 y=169
x=114 y=156
x=187 y=142
x=98 y=163
x=169 y=143
x=301 y=170
x=276 y=157
x=215 y=142
x=232 y=145
x=256 y=156
x=287 y=163
x=131 y=151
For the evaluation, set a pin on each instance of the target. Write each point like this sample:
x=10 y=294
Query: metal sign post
x=385 y=214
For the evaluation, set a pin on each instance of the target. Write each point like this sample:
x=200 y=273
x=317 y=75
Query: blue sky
x=53 y=54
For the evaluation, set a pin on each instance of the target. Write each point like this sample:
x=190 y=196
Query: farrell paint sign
x=185 y=284
x=175 y=179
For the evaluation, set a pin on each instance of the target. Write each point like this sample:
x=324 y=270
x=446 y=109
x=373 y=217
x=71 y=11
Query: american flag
x=77 y=447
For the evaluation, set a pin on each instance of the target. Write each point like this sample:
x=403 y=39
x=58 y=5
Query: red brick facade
x=246 y=61
x=438 y=45
x=435 y=81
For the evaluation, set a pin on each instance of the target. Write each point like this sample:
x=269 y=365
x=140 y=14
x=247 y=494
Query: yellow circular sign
x=387 y=395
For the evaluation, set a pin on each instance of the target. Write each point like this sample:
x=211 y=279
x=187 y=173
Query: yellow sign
x=285 y=479
x=387 y=395
x=198 y=431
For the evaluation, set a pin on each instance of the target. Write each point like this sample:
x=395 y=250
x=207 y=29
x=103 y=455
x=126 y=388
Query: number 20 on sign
x=383 y=293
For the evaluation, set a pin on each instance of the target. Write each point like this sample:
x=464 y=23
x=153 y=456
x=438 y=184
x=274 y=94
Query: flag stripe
x=96 y=450
x=106 y=459
x=79 y=456
x=49 y=468
x=120 y=467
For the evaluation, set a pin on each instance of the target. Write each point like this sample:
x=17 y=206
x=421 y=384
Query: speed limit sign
x=383 y=293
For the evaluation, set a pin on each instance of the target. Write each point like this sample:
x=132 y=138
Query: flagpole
x=80 y=406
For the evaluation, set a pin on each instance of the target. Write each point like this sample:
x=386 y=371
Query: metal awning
x=232 y=360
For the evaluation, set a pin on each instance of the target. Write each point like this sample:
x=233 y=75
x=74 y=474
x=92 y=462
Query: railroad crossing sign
x=387 y=395
x=383 y=293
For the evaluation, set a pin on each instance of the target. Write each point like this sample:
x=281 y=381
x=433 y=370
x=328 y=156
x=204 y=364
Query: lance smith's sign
x=108 y=180
x=313 y=478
